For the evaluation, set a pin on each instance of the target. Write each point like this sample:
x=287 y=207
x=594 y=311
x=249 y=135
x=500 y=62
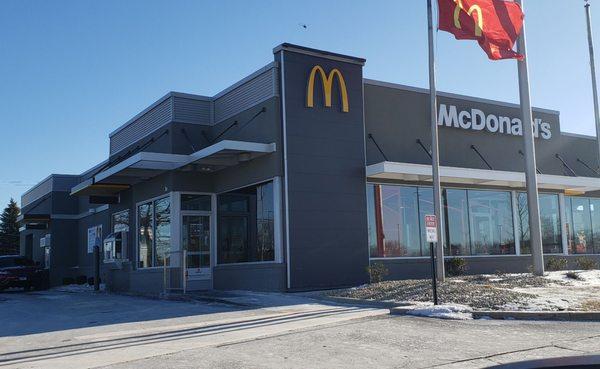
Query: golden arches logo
x=474 y=8
x=327 y=82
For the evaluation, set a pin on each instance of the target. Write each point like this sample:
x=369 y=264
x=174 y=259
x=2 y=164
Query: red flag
x=495 y=24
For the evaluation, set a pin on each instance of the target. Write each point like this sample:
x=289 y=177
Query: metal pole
x=435 y=157
x=96 y=268
x=530 y=165
x=433 y=274
x=593 y=70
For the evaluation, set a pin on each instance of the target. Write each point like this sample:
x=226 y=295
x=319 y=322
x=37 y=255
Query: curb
x=540 y=315
x=358 y=302
x=521 y=315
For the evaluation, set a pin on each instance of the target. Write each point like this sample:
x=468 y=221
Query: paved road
x=86 y=330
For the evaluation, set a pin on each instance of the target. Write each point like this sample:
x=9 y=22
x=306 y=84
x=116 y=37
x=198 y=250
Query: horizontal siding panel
x=143 y=126
x=245 y=96
x=191 y=110
x=36 y=192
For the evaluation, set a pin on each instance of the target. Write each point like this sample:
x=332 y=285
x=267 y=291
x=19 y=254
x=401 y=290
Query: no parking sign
x=431 y=228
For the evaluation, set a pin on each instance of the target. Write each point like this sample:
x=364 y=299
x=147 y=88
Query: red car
x=19 y=271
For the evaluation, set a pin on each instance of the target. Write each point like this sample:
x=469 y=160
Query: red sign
x=430 y=221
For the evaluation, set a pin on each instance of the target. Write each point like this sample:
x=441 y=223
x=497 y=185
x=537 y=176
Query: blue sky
x=73 y=71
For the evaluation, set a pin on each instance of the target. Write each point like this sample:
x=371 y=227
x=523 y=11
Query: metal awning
x=145 y=165
x=479 y=177
x=33 y=218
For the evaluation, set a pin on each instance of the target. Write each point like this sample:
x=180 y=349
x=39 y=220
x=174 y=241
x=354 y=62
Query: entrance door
x=196 y=241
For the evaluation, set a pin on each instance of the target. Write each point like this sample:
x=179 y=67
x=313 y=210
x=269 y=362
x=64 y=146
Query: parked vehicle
x=19 y=271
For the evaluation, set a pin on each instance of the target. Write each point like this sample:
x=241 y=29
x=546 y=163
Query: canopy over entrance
x=479 y=177
x=145 y=165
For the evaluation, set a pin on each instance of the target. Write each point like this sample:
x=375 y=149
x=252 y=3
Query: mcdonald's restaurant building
x=303 y=173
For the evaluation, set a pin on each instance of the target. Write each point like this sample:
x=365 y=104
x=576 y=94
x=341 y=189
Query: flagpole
x=435 y=157
x=593 y=71
x=535 y=234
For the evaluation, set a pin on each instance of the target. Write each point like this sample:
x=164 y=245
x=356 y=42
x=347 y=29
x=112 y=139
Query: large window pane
x=195 y=202
x=581 y=226
x=595 y=213
x=490 y=215
x=550 y=221
x=425 y=208
x=162 y=215
x=246 y=225
x=146 y=235
x=396 y=218
x=457 y=222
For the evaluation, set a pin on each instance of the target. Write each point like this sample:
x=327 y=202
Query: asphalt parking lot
x=83 y=330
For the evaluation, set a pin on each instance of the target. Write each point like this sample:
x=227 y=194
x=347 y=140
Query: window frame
x=137 y=233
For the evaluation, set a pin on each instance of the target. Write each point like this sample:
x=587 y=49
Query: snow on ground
x=78 y=288
x=564 y=293
x=446 y=311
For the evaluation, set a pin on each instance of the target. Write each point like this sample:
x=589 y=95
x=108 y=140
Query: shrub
x=68 y=280
x=554 y=264
x=456 y=267
x=90 y=280
x=573 y=275
x=81 y=279
x=377 y=271
x=586 y=263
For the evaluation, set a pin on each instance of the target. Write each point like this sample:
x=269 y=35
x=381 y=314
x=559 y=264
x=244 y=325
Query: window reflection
x=456 y=209
x=490 y=214
x=549 y=219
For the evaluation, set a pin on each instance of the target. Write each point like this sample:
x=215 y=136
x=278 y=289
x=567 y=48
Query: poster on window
x=94 y=238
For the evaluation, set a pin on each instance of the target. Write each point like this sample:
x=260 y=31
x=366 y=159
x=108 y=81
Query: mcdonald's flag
x=495 y=24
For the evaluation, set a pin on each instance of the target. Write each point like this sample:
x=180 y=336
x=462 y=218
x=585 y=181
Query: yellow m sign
x=327 y=82
x=474 y=8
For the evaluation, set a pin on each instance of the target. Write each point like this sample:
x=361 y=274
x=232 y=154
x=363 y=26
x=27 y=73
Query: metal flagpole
x=435 y=157
x=535 y=234
x=593 y=71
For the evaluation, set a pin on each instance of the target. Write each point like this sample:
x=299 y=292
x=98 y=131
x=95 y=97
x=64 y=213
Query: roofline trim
x=248 y=78
x=319 y=53
x=578 y=135
x=452 y=95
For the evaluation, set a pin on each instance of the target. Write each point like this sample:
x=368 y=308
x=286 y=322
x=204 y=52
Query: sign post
x=431 y=234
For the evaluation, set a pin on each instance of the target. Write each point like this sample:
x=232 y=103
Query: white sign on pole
x=431 y=228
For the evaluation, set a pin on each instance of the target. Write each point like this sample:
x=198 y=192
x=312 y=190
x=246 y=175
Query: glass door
x=196 y=241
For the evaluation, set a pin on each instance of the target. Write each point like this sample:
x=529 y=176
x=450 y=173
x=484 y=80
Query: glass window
x=581 y=226
x=490 y=215
x=146 y=235
x=154 y=237
x=549 y=218
x=395 y=221
x=458 y=241
x=595 y=214
x=246 y=225
x=120 y=221
x=162 y=224
x=425 y=208
x=195 y=202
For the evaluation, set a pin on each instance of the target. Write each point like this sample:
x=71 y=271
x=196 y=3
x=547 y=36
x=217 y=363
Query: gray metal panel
x=143 y=126
x=39 y=190
x=188 y=110
x=255 y=90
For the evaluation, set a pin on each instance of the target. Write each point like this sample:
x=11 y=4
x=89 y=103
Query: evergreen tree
x=9 y=229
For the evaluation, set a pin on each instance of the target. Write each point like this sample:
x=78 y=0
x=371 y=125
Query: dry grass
x=590 y=305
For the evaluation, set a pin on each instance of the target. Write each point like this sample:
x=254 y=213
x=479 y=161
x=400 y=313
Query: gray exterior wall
x=327 y=218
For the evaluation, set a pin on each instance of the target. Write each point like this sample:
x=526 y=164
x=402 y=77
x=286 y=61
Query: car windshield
x=15 y=261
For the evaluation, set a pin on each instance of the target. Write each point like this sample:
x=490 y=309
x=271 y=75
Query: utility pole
x=435 y=156
x=535 y=233
x=593 y=71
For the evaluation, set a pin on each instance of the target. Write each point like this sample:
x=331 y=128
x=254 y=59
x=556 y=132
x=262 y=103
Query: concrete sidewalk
x=62 y=330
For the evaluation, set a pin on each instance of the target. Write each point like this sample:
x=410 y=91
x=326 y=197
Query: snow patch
x=447 y=311
x=78 y=288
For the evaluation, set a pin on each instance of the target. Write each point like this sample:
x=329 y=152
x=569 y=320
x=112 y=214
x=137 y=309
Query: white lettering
x=491 y=123
x=477 y=120
x=477 y=124
x=447 y=118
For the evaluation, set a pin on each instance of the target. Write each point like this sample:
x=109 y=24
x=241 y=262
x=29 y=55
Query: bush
x=377 y=271
x=81 y=279
x=573 y=275
x=555 y=264
x=586 y=263
x=456 y=267
x=68 y=280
